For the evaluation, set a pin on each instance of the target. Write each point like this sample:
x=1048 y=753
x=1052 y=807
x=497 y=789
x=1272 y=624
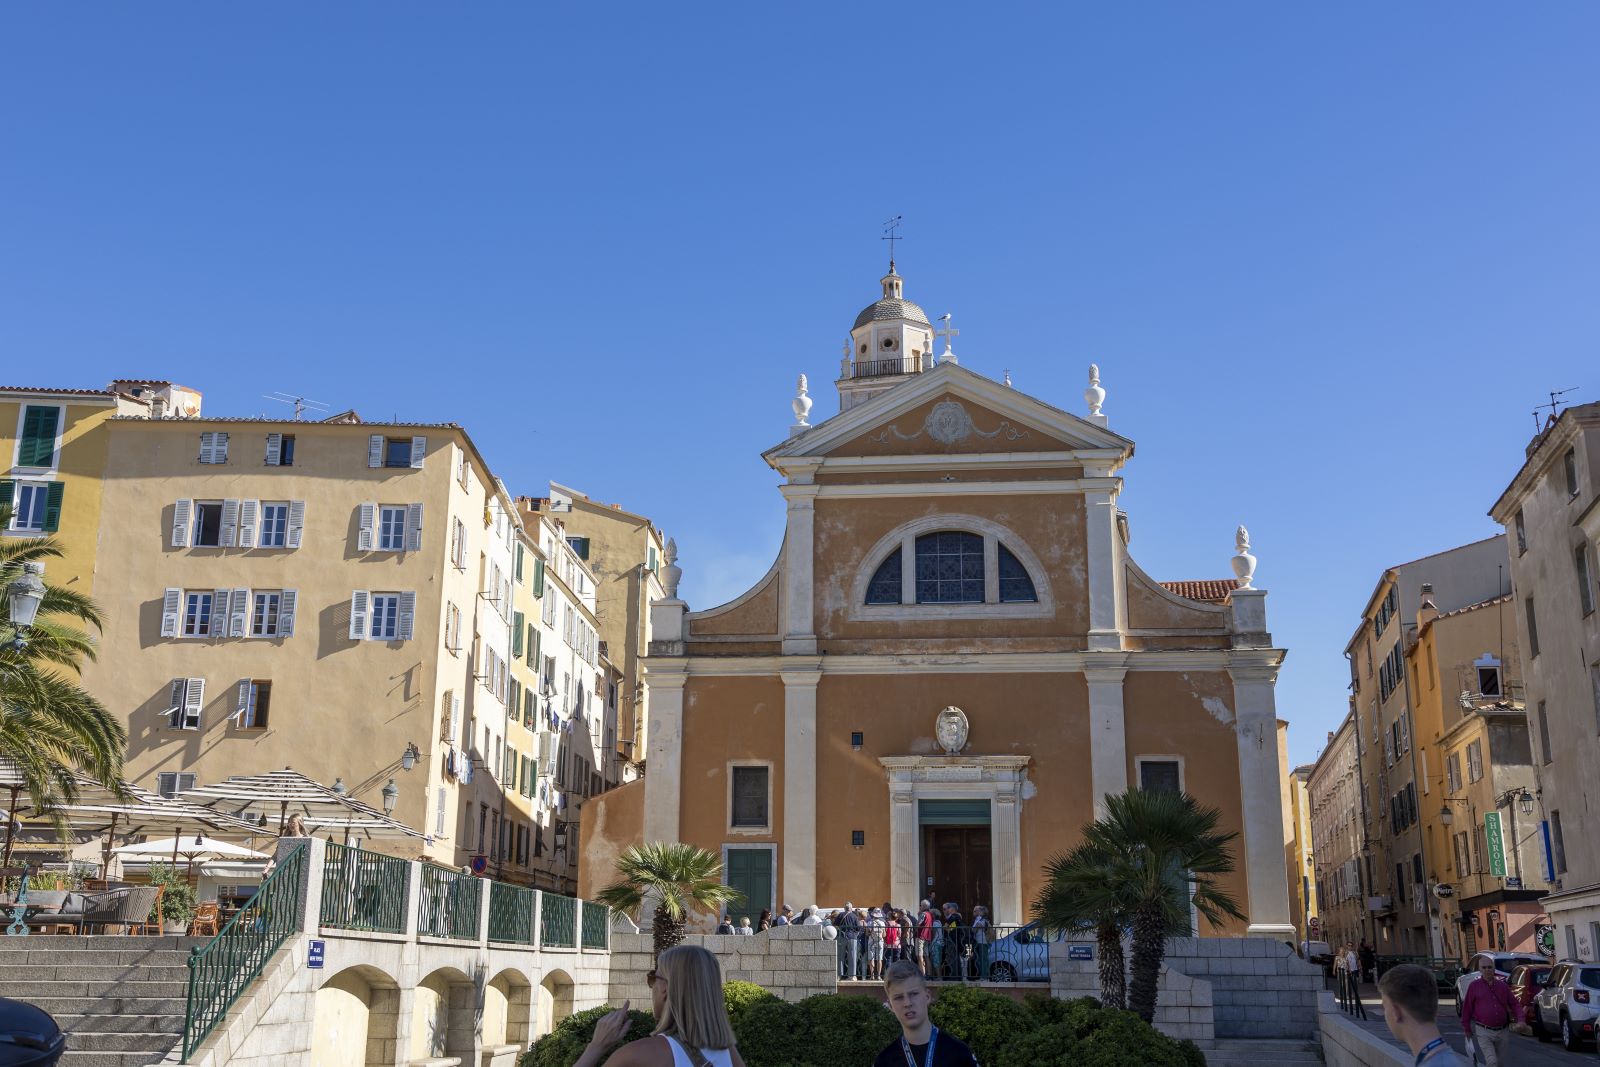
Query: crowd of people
x=940 y=941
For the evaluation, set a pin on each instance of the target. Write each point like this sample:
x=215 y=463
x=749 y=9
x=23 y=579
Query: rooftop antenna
x=1554 y=406
x=891 y=233
x=300 y=404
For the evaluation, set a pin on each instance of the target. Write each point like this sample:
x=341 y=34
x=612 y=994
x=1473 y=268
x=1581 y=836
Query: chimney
x=1427 y=611
x=158 y=406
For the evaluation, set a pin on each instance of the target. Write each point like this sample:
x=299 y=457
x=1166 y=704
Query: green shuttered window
x=38 y=445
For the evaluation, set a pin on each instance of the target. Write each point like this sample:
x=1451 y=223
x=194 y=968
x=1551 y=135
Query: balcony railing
x=449 y=904
x=882 y=368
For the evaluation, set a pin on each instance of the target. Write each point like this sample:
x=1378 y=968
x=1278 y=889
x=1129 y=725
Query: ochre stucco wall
x=758 y=615
x=985 y=421
x=611 y=822
x=1175 y=713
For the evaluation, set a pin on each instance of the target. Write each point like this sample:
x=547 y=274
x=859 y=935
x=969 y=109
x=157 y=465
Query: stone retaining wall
x=1346 y=1044
x=793 y=962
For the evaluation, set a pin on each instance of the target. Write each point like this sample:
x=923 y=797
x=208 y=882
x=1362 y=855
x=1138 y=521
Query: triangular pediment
x=952 y=411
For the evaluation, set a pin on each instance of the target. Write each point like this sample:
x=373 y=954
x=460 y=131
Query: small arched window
x=884 y=588
x=1015 y=585
x=950 y=568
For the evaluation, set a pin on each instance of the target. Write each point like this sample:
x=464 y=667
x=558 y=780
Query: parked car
x=1022 y=955
x=1318 y=952
x=1568 y=1004
x=1504 y=964
x=1526 y=981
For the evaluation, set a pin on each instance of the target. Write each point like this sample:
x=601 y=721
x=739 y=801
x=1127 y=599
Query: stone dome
x=891 y=308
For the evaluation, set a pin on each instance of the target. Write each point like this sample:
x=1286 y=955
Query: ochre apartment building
x=953 y=659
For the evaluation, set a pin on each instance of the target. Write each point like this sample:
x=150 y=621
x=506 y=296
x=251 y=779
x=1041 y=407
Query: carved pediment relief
x=952 y=424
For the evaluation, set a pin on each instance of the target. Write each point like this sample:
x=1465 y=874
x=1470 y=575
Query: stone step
x=96 y=1058
x=59 y=1006
x=67 y=943
x=108 y=957
x=120 y=1024
x=94 y=972
x=134 y=985
x=1256 y=1052
x=126 y=1041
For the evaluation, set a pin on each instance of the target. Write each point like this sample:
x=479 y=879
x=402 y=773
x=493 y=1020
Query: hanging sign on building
x=1495 y=841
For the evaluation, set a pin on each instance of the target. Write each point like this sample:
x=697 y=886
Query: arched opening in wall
x=554 y=1002
x=508 y=1010
x=356 y=1019
x=444 y=1016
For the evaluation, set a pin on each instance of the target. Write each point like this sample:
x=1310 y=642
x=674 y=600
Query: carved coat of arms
x=950 y=730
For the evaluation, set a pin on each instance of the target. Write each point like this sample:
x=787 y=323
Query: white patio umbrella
x=258 y=798
x=191 y=848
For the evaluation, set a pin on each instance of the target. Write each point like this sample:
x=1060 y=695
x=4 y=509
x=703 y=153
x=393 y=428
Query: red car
x=1526 y=981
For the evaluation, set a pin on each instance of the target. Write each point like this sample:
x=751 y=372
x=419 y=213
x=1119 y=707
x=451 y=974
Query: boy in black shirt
x=920 y=1044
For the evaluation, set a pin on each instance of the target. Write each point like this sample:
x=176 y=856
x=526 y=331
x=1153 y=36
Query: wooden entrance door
x=956 y=866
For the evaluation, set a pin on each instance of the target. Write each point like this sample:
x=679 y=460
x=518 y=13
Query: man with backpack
x=927 y=923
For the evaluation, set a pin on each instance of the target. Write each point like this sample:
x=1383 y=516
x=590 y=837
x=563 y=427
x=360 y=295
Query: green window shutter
x=519 y=563
x=516 y=634
x=8 y=493
x=52 y=506
x=535 y=639
x=538 y=577
x=38 y=436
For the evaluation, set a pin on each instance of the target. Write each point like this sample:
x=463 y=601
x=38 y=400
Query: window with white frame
x=186 y=700
x=198 y=612
x=213 y=447
x=274 y=524
x=385 y=616
x=170 y=783
x=207 y=529
x=30 y=505
x=391 y=528
x=749 y=798
x=1487 y=669
x=272 y=612
x=458 y=545
x=255 y=701
x=38 y=433
x=452 y=628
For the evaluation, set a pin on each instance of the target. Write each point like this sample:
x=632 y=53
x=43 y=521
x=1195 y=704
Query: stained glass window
x=885 y=585
x=950 y=568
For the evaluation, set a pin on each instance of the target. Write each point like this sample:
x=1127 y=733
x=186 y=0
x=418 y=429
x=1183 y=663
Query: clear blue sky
x=1328 y=258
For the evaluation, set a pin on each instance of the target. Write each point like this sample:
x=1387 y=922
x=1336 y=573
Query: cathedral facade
x=952 y=661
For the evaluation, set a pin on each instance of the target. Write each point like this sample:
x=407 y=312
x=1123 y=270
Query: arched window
x=884 y=588
x=950 y=568
x=1015 y=585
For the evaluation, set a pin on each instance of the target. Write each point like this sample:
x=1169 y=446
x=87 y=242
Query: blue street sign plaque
x=1080 y=952
x=316 y=954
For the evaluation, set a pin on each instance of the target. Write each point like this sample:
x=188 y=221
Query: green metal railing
x=596 y=922
x=511 y=913
x=558 y=922
x=224 y=967
x=363 y=890
x=449 y=904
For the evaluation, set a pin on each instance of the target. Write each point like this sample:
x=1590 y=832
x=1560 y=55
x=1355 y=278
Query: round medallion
x=950 y=730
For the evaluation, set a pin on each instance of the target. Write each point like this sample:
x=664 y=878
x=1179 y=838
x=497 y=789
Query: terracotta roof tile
x=1491 y=602
x=46 y=389
x=1213 y=590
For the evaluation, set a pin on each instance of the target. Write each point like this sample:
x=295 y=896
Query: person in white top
x=693 y=1028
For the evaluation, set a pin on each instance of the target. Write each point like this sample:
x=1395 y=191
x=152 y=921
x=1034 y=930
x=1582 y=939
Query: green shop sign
x=1496 y=842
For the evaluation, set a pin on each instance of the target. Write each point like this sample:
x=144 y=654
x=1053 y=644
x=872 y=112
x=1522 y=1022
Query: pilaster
x=799 y=846
x=1100 y=508
x=1260 y=777
x=796 y=588
x=663 y=785
x=1108 y=737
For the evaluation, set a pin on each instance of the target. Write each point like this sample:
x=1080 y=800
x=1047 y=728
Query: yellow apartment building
x=1342 y=861
x=329 y=596
x=54 y=446
x=1472 y=739
x=624 y=551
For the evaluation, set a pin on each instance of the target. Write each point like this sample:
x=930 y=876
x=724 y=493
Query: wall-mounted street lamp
x=339 y=787
x=23 y=597
x=391 y=797
x=408 y=758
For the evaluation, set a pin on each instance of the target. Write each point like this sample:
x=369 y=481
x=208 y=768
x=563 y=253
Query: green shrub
x=771 y=1034
x=986 y=1021
x=562 y=1046
x=844 y=1030
x=740 y=997
x=1049 y=1045
x=1080 y=1014
x=1122 y=1039
x=177 y=899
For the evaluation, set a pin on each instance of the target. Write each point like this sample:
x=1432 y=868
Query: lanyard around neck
x=1429 y=1047
x=927 y=1059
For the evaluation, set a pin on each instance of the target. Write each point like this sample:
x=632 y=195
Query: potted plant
x=176 y=903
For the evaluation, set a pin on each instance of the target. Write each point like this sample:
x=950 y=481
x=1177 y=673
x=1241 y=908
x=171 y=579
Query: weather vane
x=891 y=233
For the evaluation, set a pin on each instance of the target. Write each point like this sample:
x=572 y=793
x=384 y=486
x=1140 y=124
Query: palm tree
x=51 y=729
x=1087 y=889
x=1169 y=853
x=676 y=877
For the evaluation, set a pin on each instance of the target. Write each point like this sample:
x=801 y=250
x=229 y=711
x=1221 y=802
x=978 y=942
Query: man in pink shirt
x=1488 y=1012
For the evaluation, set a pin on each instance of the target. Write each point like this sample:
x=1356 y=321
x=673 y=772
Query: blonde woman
x=692 y=1028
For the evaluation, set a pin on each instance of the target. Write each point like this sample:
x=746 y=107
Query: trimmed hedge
x=831 y=1030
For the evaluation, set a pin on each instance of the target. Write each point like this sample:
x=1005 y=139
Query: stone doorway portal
x=958 y=865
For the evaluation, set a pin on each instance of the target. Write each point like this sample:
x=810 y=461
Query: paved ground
x=1524 y=1050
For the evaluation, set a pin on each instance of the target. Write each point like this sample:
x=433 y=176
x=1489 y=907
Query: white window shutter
x=297 y=522
x=206 y=446
x=360 y=606
x=366 y=537
x=171 y=611
x=274 y=448
x=239 y=613
x=286 y=602
x=419 y=450
x=408 y=615
x=455 y=716
x=375 y=450
x=244 y=700
x=248 y=512
x=181 y=512
x=413 y=527
x=219 y=448
x=194 y=698
x=230 y=524
x=219 y=613
x=444 y=715
x=180 y=689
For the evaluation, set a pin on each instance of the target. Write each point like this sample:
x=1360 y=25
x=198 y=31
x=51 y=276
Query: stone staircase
x=120 y=1000
x=1262 y=1052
